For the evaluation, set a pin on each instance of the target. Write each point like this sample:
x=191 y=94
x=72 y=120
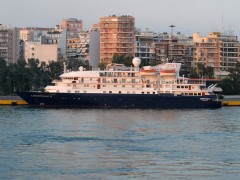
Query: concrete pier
x=12 y=100
x=231 y=100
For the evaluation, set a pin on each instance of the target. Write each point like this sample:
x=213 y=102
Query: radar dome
x=136 y=62
x=81 y=68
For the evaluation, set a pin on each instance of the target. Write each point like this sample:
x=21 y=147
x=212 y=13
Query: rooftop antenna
x=222 y=24
x=172 y=26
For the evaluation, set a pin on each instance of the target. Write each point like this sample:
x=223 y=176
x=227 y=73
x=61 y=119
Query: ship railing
x=55 y=81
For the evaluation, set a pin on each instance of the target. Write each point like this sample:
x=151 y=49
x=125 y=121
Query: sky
x=188 y=16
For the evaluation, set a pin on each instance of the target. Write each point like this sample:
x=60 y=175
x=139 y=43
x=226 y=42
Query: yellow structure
x=230 y=103
x=116 y=36
x=13 y=102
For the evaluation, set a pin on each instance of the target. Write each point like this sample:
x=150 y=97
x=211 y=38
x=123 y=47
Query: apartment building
x=78 y=47
x=94 y=46
x=144 y=48
x=9 y=44
x=229 y=51
x=42 y=52
x=33 y=33
x=116 y=37
x=169 y=50
x=216 y=50
x=73 y=26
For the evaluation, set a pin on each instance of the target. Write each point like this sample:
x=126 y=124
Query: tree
x=122 y=59
x=55 y=69
x=202 y=71
x=102 y=65
x=3 y=69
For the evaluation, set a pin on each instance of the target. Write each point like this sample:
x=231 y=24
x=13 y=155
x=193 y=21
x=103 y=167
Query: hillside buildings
x=116 y=37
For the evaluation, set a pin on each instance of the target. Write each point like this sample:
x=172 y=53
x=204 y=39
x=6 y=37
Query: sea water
x=39 y=143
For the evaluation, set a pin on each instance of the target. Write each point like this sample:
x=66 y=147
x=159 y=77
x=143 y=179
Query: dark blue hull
x=144 y=101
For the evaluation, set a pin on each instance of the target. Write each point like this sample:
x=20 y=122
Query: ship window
x=195 y=94
x=90 y=79
x=110 y=92
x=104 y=85
x=123 y=85
x=191 y=94
x=57 y=91
x=199 y=94
x=128 y=92
x=142 y=92
x=104 y=91
x=153 y=92
x=133 y=92
x=133 y=86
x=69 y=91
x=148 y=92
x=115 y=85
x=186 y=87
x=178 y=86
x=119 y=92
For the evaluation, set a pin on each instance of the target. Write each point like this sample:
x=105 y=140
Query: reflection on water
x=119 y=144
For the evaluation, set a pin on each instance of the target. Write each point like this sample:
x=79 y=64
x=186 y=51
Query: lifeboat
x=167 y=71
x=148 y=72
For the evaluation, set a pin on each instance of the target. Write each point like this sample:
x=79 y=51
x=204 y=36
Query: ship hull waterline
x=128 y=101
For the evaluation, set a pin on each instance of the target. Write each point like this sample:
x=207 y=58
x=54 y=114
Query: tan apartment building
x=216 y=50
x=42 y=52
x=73 y=26
x=207 y=50
x=116 y=36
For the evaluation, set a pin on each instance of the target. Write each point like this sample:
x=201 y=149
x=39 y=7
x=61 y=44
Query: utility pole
x=171 y=45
